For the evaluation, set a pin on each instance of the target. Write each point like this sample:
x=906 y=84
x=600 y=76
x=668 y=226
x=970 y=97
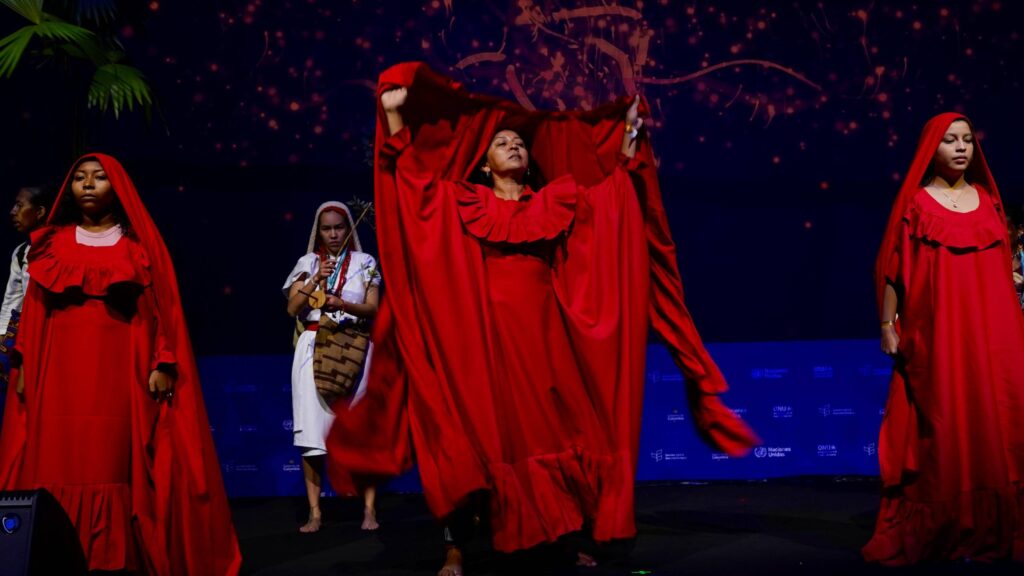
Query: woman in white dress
x=334 y=262
x=31 y=206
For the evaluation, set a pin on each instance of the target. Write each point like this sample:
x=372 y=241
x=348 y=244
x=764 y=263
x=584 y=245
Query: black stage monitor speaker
x=36 y=536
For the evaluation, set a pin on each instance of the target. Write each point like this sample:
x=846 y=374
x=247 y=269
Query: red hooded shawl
x=177 y=495
x=616 y=277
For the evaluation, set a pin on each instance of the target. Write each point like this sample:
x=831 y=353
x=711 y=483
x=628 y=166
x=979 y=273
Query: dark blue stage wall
x=782 y=130
x=816 y=405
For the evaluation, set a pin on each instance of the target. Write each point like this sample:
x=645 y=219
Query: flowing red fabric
x=87 y=428
x=951 y=450
x=511 y=327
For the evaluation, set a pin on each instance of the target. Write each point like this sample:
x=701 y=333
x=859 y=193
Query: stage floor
x=811 y=526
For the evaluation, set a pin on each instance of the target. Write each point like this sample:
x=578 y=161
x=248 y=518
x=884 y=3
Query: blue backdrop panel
x=817 y=406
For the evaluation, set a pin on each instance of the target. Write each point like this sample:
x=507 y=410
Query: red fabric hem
x=983 y=525
x=544 y=497
x=102 y=515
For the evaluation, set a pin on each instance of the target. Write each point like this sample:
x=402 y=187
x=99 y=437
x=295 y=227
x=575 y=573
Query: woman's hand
x=161 y=385
x=326 y=269
x=334 y=303
x=1018 y=280
x=890 y=340
x=392 y=100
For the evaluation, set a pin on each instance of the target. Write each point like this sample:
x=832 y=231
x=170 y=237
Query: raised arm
x=391 y=101
x=632 y=128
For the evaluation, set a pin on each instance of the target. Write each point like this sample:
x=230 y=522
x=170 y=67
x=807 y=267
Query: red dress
x=139 y=479
x=511 y=342
x=952 y=446
x=100 y=316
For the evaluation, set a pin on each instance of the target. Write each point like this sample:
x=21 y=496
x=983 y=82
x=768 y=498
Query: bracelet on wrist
x=631 y=130
x=888 y=323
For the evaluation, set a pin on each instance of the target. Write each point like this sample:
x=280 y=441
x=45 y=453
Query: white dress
x=14 y=295
x=311 y=416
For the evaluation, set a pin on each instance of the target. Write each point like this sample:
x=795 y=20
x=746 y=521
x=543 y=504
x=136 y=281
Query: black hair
x=40 y=196
x=533 y=177
x=67 y=211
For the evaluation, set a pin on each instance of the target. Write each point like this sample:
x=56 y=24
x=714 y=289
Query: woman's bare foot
x=370 y=519
x=315 y=520
x=452 y=563
x=585 y=560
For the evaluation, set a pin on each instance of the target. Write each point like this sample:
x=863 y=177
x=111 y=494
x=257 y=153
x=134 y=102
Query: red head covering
x=165 y=282
x=186 y=506
x=977 y=174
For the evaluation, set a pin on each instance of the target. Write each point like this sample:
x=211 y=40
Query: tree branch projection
x=843 y=69
x=620 y=35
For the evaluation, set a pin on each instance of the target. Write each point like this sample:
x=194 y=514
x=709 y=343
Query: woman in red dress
x=511 y=342
x=951 y=448
x=107 y=413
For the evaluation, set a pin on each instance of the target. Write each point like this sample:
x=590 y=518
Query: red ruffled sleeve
x=542 y=215
x=59 y=265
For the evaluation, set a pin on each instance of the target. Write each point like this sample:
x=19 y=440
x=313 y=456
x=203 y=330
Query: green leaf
x=30 y=9
x=119 y=87
x=12 y=47
x=63 y=31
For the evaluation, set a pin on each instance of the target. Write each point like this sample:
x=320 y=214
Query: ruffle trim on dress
x=982 y=525
x=542 y=215
x=929 y=221
x=58 y=264
x=544 y=497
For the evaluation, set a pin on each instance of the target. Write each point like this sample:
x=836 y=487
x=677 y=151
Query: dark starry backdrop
x=782 y=130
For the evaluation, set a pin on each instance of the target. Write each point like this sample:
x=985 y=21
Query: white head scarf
x=316 y=226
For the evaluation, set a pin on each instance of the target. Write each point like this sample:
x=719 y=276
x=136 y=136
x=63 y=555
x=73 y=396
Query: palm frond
x=12 y=47
x=119 y=87
x=63 y=31
x=30 y=9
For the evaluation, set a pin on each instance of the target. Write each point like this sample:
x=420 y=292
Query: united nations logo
x=287 y=425
x=760 y=452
